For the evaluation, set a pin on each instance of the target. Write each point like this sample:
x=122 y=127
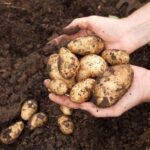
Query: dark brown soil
x=25 y=26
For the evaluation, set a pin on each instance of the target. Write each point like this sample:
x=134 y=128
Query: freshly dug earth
x=25 y=27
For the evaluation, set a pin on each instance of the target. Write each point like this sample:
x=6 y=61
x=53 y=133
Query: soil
x=25 y=27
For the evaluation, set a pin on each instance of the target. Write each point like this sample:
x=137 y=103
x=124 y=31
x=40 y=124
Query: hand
x=136 y=95
x=112 y=31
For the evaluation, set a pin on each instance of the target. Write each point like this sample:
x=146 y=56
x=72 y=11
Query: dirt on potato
x=25 y=27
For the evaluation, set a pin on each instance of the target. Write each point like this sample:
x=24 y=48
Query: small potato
x=86 y=45
x=66 y=110
x=82 y=91
x=29 y=108
x=54 y=72
x=51 y=60
x=91 y=66
x=10 y=134
x=116 y=57
x=113 y=85
x=58 y=87
x=65 y=124
x=68 y=63
x=37 y=120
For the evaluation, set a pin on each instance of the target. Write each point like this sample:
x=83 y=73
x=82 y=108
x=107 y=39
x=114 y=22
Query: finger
x=63 y=40
x=64 y=37
x=71 y=30
x=82 y=23
x=63 y=100
x=46 y=83
x=50 y=48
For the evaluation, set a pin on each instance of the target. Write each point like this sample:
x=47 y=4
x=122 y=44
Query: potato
x=10 y=134
x=116 y=57
x=58 y=87
x=113 y=85
x=68 y=63
x=65 y=124
x=52 y=60
x=86 y=45
x=91 y=66
x=54 y=72
x=37 y=120
x=66 y=110
x=29 y=108
x=82 y=91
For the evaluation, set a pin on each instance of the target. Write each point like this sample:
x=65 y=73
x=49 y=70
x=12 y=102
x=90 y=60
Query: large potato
x=54 y=72
x=86 y=45
x=82 y=91
x=116 y=57
x=58 y=87
x=113 y=85
x=91 y=66
x=68 y=63
x=10 y=134
x=65 y=124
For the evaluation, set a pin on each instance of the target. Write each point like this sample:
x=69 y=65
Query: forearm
x=146 y=86
x=138 y=27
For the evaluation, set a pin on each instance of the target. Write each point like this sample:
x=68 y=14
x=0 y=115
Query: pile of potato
x=85 y=70
x=28 y=113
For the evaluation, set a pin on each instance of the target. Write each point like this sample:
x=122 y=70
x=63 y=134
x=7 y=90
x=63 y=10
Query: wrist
x=137 y=28
x=131 y=36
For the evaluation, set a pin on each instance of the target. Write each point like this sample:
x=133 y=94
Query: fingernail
x=51 y=95
x=46 y=82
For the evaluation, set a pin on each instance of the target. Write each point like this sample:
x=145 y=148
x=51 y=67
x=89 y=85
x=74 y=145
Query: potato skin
x=65 y=124
x=29 y=108
x=68 y=63
x=37 y=120
x=86 y=45
x=10 y=134
x=58 y=87
x=116 y=57
x=113 y=85
x=66 y=110
x=54 y=72
x=91 y=66
x=82 y=91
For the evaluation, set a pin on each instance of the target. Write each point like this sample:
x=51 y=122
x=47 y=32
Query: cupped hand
x=112 y=31
x=134 y=96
